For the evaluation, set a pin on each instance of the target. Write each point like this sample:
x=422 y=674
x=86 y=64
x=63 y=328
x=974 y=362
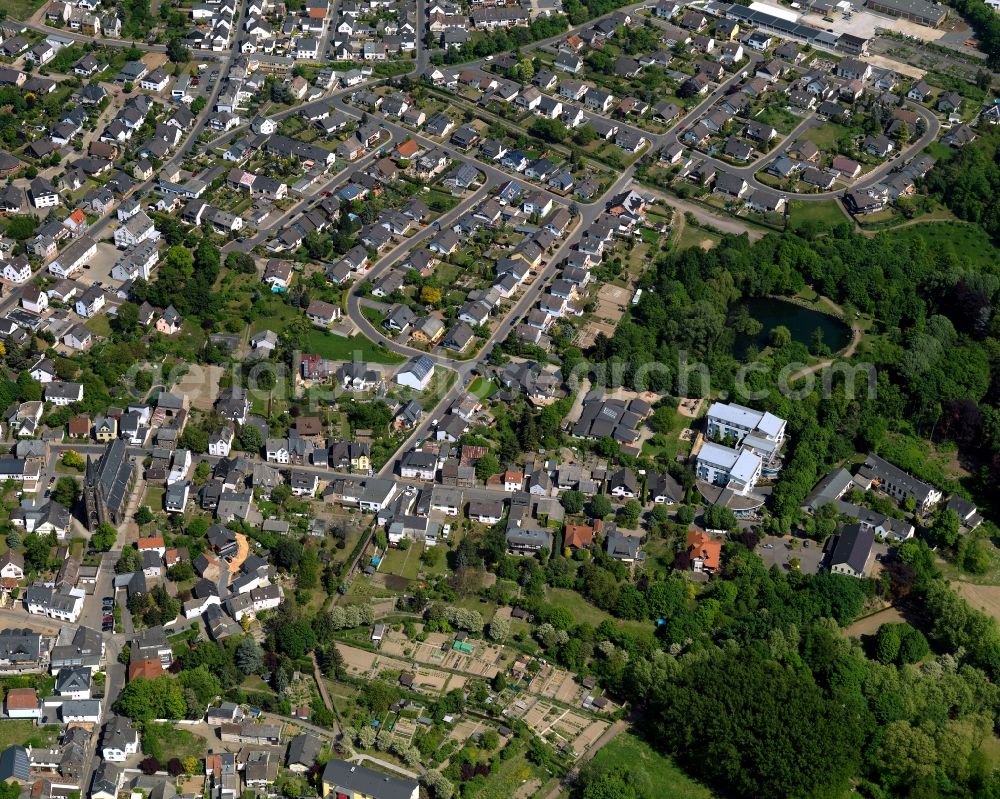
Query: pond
x=800 y=321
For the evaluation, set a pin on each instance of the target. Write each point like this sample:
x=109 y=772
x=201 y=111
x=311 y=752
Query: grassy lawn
x=404 y=563
x=963 y=241
x=951 y=571
x=440 y=384
x=99 y=326
x=826 y=135
x=154 y=498
x=483 y=389
x=823 y=213
x=373 y=315
x=781 y=119
x=255 y=683
x=23 y=732
x=939 y=152
x=504 y=782
x=582 y=610
x=277 y=321
x=21 y=9
x=438 y=199
x=337 y=348
x=692 y=236
x=664 y=776
x=166 y=741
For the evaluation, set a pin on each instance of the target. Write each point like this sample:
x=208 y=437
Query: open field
x=21 y=9
x=166 y=741
x=23 y=732
x=982 y=597
x=693 y=236
x=337 y=348
x=989 y=578
x=823 y=214
x=963 y=241
x=825 y=136
x=665 y=778
x=582 y=610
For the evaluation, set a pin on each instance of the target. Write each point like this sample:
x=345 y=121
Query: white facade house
x=138 y=228
x=221 y=442
x=736 y=469
x=119 y=740
x=737 y=422
x=17 y=270
x=72 y=259
x=417 y=374
x=34 y=300
x=62 y=604
x=82 y=711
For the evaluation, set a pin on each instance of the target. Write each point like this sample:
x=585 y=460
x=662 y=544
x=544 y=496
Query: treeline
x=969 y=182
x=579 y=12
x=985 y=23
x=760 y=694
x=185 y=280
x=500 y=41
x=936 y=361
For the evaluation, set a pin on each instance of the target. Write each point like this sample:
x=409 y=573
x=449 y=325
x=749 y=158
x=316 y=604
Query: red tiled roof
x=153 y=542
x=701 y=545
x=22 y=699
x=579 y=536
x=150 y=669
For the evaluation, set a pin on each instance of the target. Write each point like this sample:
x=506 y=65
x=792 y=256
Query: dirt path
x=242 y=550
x=846 y=353
x=318 y=675
x=869 y=624
x=726 y=224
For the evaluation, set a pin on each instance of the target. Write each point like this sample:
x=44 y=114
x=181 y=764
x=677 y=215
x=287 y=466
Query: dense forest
x=933 y=343
x=969 y=182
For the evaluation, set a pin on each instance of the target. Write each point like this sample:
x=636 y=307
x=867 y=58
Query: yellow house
x=343 y=780
x=105 y=428
x=362 y=463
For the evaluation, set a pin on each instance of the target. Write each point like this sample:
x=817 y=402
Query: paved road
x=13 y=296
x=748 y=171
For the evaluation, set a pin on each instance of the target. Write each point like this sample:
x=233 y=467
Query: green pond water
x=800 y=321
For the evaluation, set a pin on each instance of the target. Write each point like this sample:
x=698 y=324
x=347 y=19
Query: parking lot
x=780 y=551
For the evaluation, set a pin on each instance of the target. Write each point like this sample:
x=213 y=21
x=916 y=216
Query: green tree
x=913 y=645
x=887 y=643
x=628 y=514
x=66 y=491
x=487 y=466
x=129 y=561
x=572 y=501
x=781 y=337
x=804 y=744
x=103 y=537
x=945 y=529
x=600 y=506
x=249 y=438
